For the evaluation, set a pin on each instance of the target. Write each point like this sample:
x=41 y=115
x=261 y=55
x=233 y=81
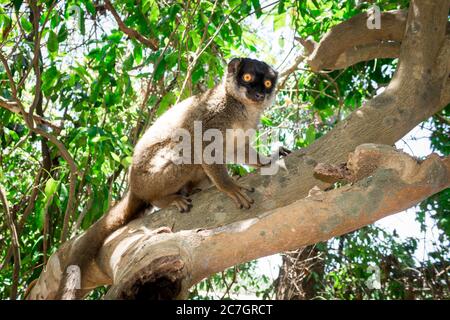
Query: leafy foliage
x=101 y=87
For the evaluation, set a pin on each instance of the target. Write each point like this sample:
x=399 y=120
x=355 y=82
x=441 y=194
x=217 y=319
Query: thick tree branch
x=141 y=257
x=367 y=52
x=339 y=44
x=352 y=42
x=394 y=181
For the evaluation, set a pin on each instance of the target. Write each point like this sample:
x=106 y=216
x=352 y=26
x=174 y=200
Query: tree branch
x=343 y=38
x=144 y=255
x=12 y=106
x=14 y=243
x=352 y=42
x=367 y=52
x=284 y=75
x=151 y=43
x=393 y=182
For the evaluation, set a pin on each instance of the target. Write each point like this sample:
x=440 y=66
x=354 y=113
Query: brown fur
x=155 y=180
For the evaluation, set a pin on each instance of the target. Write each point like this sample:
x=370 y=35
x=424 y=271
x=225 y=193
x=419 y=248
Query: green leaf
x=137 y=53
x=82 y=22
x=257 y=7
x=126 y=161
x=11 y=133
x=49 y=78
x=115 y=157
x=197 y=74
x=279 y=21
x=154 y=13
x=6 y=25
x=266 y=121
x=166 y=101
x=52 y=42
x=26 y=24
x=128 y=63
x=63 y=33
x=236 y=28
x=89 y=7
x=173 y=10
x=17 y=4
x=310 y=135
x=50 y=188
x=281 y=7
x=160 y=69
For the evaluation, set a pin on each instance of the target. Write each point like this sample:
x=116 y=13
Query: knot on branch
x=331 y=173
x=366 y=159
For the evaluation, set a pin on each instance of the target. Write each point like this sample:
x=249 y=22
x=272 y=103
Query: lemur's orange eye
x=267 y=84
x=247 y=77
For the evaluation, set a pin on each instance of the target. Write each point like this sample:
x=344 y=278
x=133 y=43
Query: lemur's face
x=251 y=81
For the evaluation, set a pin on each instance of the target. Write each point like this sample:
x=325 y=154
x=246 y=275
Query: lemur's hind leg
x=199 y=181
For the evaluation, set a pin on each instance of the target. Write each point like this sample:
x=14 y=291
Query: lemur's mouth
x=256 y=97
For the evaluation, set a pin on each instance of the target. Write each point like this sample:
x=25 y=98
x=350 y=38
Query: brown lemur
x=155 y=179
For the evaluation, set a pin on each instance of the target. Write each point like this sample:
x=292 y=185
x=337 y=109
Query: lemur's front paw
x=183 y=204
x=238 y=194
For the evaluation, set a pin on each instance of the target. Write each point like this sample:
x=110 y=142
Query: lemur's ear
x=233 y=65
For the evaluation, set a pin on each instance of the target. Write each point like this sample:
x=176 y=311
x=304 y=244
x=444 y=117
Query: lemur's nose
x=259 y=96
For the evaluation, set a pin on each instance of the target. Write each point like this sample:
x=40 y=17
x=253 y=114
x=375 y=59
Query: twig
x=12 y=106
x=284 y=75
x=228 y=285
x=338 y=92
x=151 y=43
x=442 y=119
x=14 y=242
x=83 y=213
x=28 y=210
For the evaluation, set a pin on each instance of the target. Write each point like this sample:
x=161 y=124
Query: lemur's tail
x=84 y=248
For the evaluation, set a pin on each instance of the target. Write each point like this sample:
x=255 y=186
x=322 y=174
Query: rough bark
x=146 y=254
